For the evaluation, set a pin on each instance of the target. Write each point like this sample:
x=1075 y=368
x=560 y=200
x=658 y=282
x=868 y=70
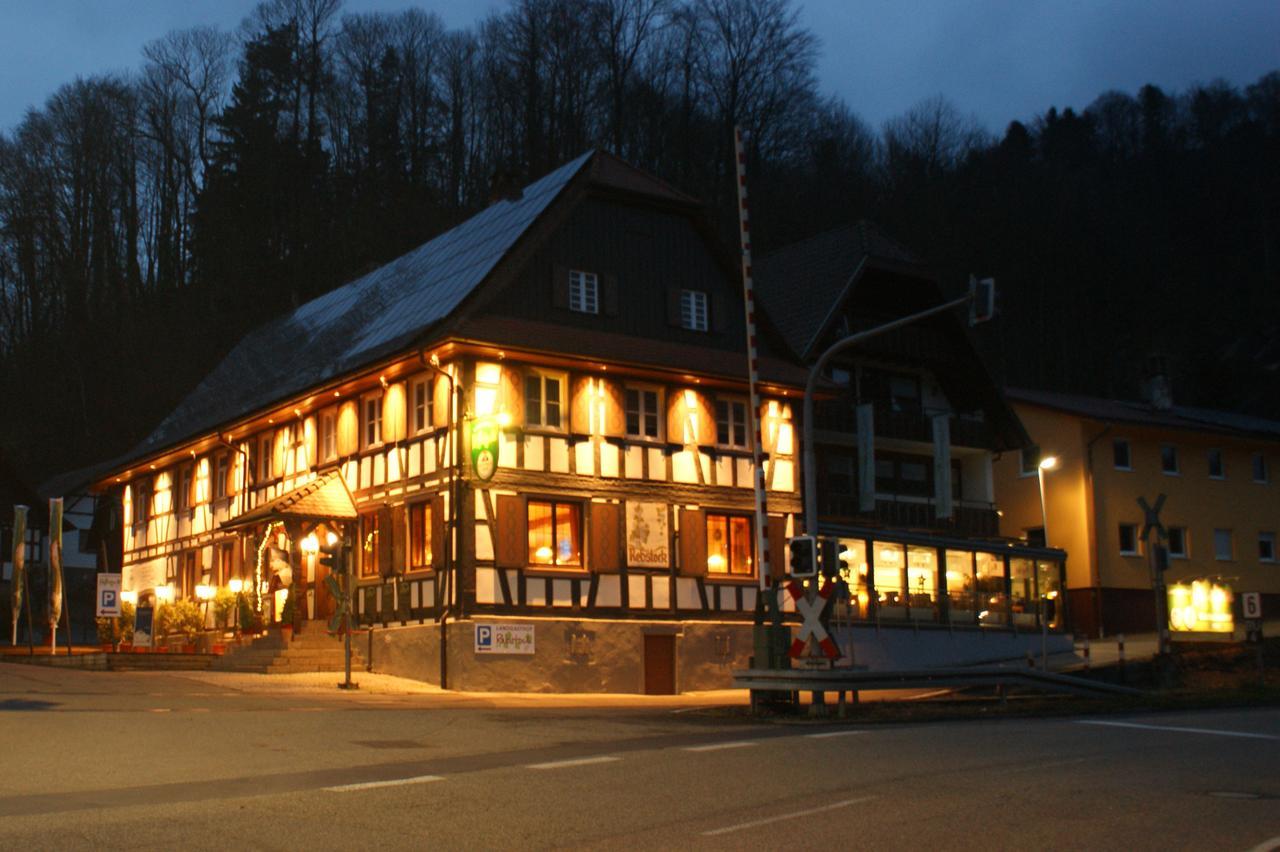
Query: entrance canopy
x=325 y=498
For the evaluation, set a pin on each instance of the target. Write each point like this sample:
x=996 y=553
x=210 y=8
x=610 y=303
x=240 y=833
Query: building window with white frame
x=584 y=292
x=1168 y=459
x=1266 y=547
x=642 y=412
x=422 y=402
x=265 y=456
x=693 y=310
x=731 y=423
x=372 y=424
x=1128 y=540
x=328 y=435
x=1120 y=454
x=1260 y=467
x=1177 y=542
x=1223 y=548
x=543 y=400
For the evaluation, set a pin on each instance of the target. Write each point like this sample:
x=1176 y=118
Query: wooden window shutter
x=706 y=420
x=719 y=310
x=440 y=401
x=675 y=416
x=605 y=555
x=311 y=437
x=777 y=547
x=580 y=405
x=438 y=532
x=399 y=539
x=673 y=306
x=560 y=286
x=609 y=298
x=615 y=409
x=693 y=542
x=512 y=546
x=394 y=413
x=511 y=396
x=386 y=538
x=348 y=428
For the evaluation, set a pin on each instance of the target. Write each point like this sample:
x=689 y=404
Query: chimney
x=505 y=185
x=1156 y=389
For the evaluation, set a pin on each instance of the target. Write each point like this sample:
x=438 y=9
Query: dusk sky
x=997 y=59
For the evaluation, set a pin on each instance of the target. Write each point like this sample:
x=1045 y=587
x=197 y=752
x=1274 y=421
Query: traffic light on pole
x=832 y=551
x=802 y=550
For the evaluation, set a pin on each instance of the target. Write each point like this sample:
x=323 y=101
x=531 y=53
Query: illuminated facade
x=1222 y=507
x=535 y=430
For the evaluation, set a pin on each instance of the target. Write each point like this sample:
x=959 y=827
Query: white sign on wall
x=1251 y=605
x=504 y=638
x=108 y=595
x=647 y=539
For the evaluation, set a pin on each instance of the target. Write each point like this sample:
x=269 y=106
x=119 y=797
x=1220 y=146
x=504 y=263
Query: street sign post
x=1251 y=605
x=108 y=596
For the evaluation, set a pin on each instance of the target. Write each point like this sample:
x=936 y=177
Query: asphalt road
x=165 y=761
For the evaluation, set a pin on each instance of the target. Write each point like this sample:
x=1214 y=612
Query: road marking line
x=1177 y=729
x=758 y=822
x=159 y=709
x=719 y=746
x=580 y=761
x=826 y=734
x=395 y=782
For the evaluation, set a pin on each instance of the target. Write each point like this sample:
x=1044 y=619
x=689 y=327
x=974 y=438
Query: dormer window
x=584 y=292
x=693 y=310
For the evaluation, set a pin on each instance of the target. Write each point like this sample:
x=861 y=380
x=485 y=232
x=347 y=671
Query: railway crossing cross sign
x=811 y=611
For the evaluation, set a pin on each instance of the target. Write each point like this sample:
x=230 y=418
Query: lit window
x=693 y=310
x=1223 y=550
x=729 y=545
x=420 y=536
x=328 y=435
x=1120 y=452
x=1129 y=539
x=222 y=477
x=584 y=292
x=731 y=423
x=1216 y=468
x=264 y=458
x=642 y=413
x=543 y=399
x=1168 y=458
x=142 y=501
x=1259 y=467
x=373 y=421
x=184 y=499
x=1177 y=542
x=423 y=405
x=555 y=533
x=369 y=533
x=1267 y=547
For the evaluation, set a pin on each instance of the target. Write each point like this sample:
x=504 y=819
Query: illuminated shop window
x=420 y=535
x=729 y=545
x=555 y=533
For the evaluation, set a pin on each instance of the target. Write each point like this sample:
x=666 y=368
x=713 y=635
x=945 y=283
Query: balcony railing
x=968 y=517
x=841 y=416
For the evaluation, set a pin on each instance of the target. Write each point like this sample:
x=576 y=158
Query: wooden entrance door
x=659 y=664
x=324 y=601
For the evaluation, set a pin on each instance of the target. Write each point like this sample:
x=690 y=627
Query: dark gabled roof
x=1143 y=414
x=384 y=312
x=801 y=285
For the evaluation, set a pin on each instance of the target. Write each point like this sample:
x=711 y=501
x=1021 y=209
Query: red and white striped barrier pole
x=753 y=371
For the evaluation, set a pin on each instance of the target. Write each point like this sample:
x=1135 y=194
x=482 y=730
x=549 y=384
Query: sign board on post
x=108 y=595
x=1251 y=605
x=504 y=638
x=142 y=626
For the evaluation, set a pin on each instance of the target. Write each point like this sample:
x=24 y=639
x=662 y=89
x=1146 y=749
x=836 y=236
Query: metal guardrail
x=837 y=680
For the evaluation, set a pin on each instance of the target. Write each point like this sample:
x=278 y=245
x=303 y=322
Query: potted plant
x=162 y=626
x=250 y=621
x=287 y=614
x=126 y=627
x=187 y=620
x=108 y=632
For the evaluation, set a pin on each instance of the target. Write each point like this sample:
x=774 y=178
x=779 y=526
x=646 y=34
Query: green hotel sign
x=484 y=448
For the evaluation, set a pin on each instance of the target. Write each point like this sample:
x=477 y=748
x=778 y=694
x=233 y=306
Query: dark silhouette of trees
x=148 y=221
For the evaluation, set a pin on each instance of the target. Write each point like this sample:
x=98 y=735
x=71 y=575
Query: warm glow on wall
x=488 y=374
x=690 y=417
x=165 y=593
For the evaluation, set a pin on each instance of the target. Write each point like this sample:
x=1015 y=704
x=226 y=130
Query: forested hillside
x=147 y=221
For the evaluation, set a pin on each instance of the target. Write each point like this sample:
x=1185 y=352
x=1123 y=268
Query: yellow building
x=1216 y=470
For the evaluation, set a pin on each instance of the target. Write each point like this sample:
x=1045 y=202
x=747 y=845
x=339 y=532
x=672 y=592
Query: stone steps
x=311 y=651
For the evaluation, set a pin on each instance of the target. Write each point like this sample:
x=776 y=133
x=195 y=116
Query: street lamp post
x=1047 y=463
